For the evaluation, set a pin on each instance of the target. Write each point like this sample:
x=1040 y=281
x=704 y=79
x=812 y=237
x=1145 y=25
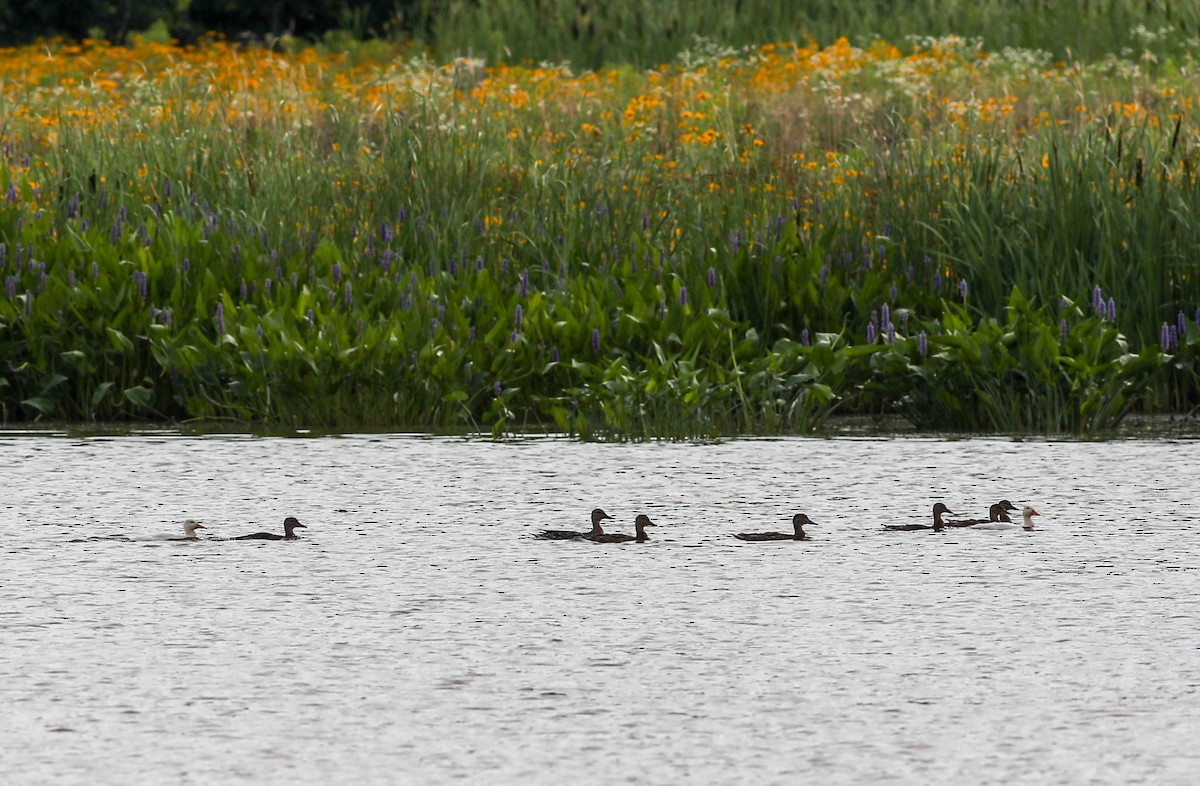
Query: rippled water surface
x=418 y=634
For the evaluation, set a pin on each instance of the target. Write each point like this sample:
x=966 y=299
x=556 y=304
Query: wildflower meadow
x=739 y=240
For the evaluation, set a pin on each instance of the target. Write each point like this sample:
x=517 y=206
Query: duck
x=290 y=524
x=798 y=521
x=639 y=526
x=1027 y=514
x=598 y=515
x=937 y=526
x=997 y=512
x=189 y=530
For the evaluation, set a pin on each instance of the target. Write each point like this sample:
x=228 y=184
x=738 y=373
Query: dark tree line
x=22 y=21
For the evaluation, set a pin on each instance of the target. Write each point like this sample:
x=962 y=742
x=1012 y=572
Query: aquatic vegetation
x=737 y=242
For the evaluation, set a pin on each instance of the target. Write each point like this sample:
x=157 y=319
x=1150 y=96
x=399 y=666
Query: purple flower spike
x=595 y=339
x=1098 y=300
x=962 y=288
x=1173 y=338
x=871 y=333
x=310 y=317
x=1112 y=309
x=349 y=296
x=923 y=344
x=514 y=337
x=895 y=291
x=683 y=296
x=525 y=283
x=219 y=319
x=712 y=277
x=10 y=287
x=554 y=355
x=1063 y=303
x=519 y=317
x=891 y=333
x=1181 y=324
x=337 y=272
x=885 y=315
x=497 y=389
x=804 y=338
x=1164 y=337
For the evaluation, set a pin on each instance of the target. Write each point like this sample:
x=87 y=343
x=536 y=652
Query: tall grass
x=594 y=34
x=733 y=243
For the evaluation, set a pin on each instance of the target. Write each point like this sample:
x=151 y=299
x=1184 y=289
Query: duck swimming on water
x=937 y=526
x=290 y=524
x=639 y=525
x=1027 y=513
x=189 y=530
x=598 y=515
x=798 y=521
x=996 y=513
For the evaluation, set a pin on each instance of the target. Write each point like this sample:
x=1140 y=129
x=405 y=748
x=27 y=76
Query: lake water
x=418 y=634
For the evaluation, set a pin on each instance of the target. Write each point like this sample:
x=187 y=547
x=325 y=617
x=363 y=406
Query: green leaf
x=40 y=403
x=139 y=396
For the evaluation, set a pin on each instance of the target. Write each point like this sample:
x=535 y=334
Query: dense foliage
x=740 y=241
x=595 y=33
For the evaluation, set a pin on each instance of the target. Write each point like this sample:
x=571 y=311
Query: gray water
x=418 y=634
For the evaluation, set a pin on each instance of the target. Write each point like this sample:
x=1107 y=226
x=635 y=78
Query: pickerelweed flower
x=519 y=316
x=891 y=333
x=1112 y=309
x=219 y=319
x=554 y=355
x=1181 y=324
x=922 y=344
x=595 y=339
x=1098 y=299
x=497 y=389
x=683 y=296
x=871 y=334
x=337 y=272
x=139 y=279
x=804 y=338
x=962 y=288
x=712 y=277
x=1164 y=337
x=349 y=296
x=310 y=317
x=885 y=314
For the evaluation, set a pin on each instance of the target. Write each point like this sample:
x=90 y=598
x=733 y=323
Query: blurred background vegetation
x=593 y=33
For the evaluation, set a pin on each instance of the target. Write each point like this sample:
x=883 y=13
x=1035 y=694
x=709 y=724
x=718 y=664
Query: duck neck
x=596 y=529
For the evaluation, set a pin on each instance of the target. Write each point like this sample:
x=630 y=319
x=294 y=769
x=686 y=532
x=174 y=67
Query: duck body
x=996 y=513
x=937 y=526
x=598 y=515
x=798 y=522
x=290 y=524
x=639 y=526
